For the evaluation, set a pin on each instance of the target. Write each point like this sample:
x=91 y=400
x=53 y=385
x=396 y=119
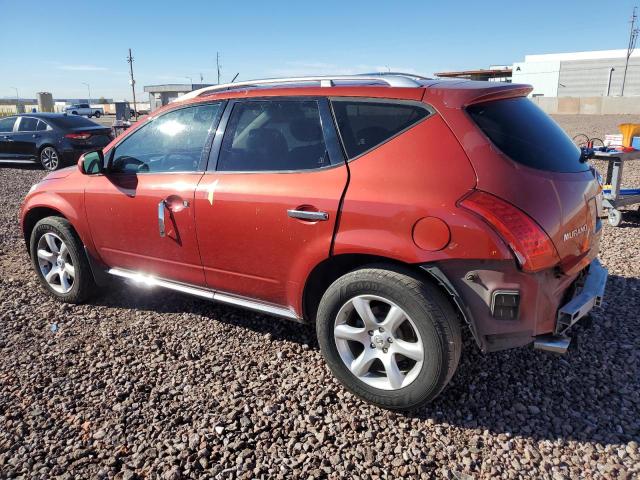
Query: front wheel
x=389 y=337
x=97 y=114
x=49 y=158
x=59 y=260
x=615 y=217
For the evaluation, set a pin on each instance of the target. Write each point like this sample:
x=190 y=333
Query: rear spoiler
x=499 y=93
x=462 y=93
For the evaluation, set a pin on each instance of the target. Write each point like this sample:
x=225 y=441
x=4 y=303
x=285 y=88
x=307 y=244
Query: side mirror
x=91 y=162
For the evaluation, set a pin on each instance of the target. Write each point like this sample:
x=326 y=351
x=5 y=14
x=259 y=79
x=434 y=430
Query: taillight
x=531 y=245
x=78 y=136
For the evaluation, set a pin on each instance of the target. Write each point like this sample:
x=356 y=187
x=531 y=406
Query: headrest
x=267 y=139
x=306 y=130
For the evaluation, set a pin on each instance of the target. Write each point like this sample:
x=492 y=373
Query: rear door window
x=366 y=124
x=527 y=135
x=273 y=135
x=28 y=124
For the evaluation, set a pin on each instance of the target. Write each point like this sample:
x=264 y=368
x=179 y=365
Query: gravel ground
x=154 y=384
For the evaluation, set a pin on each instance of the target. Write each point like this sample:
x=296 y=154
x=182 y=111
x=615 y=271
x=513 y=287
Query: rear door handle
x=308 y=215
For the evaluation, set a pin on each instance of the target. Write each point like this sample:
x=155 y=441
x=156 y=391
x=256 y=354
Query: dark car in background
x=52 y=139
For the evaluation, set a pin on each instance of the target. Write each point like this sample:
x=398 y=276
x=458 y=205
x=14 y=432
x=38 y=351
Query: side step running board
x=150 y=281
x=552 y=343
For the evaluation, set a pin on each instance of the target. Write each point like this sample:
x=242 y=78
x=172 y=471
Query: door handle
x=8 y=138
x=308 y=215
x=35 y=135
x=161 y=228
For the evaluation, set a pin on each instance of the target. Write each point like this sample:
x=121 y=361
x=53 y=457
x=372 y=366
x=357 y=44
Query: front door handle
x=35 y=135
x=161 y=207
x=8 y=138
x=308 y=215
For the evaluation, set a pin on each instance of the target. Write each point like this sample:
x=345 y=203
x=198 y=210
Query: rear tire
x=97 y=114
x=50 y=158
x=58 y=257
x=405 y=315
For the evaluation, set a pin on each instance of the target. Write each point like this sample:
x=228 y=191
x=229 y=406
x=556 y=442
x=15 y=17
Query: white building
x=579 y=74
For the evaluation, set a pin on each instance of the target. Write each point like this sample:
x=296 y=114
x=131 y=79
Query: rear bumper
x=548 y=302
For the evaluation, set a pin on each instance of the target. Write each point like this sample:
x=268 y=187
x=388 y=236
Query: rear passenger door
x=6 y=137
x=267 y=207
x=26 y=137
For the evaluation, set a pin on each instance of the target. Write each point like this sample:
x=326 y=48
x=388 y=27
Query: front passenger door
x=141 y=211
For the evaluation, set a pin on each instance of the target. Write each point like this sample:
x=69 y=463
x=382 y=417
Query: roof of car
x=42 y=115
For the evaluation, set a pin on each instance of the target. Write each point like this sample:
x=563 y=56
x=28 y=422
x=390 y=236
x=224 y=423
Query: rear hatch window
x=527 y=135
x=72 y=121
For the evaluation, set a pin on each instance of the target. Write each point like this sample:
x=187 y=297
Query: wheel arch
x=332 y=268
x=33 y=216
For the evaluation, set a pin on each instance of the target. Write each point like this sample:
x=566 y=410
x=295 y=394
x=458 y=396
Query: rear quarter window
x=527 y=135
x=364 y=125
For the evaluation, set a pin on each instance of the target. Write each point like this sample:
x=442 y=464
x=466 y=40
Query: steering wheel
x=126 y=164
x=179 y=166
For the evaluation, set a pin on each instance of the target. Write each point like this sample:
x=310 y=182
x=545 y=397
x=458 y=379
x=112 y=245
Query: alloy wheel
x=55 y=263
x=378 y=342
x=49 y=158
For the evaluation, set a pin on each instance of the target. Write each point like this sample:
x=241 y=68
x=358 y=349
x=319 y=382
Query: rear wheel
x=389 y=337
x=49 y=158
x=97 y=114
x=59 y=260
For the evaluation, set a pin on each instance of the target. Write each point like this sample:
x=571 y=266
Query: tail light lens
x=78 y=136
x=531 y=245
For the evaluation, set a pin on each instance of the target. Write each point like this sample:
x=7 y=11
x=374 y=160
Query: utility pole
x=611 y=70
x=633 y=37
x=218 y=65
x=88 y=88
x=17 y=99
x=133 y=84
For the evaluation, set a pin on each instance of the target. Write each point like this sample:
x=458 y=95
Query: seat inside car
x=312 y=155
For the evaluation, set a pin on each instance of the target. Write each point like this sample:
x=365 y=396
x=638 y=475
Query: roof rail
x=391 y=79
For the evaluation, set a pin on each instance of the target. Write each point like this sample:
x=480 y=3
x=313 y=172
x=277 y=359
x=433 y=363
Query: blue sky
x=56 y=46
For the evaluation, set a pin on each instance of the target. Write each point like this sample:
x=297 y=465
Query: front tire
x=58 y=257
x=389 y=337
x=50 y=158
x=97 y=114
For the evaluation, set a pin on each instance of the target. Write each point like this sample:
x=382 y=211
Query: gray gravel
x=154 y=384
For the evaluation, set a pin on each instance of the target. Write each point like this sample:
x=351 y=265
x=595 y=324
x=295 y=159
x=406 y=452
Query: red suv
x=391 y=211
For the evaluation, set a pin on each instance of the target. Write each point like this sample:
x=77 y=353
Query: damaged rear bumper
x=590 y=291
x=543 y=305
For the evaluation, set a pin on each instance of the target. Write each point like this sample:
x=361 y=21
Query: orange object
x=628 y=131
